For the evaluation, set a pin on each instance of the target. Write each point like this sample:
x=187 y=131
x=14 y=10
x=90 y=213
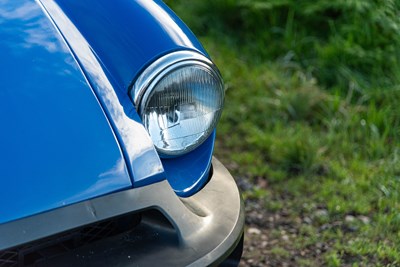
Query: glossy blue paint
x=188 y=174
x=141 y=157
x=116 y=40
x=56 y=144
x=127 y=35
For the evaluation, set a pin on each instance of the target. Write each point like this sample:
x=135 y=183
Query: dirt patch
x=270 y=236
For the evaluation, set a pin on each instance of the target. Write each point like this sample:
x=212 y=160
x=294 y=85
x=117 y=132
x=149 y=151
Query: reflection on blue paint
x=139 y=152
x=56 y=145
x=124 y=37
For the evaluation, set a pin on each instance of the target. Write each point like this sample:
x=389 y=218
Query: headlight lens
x=181 y=103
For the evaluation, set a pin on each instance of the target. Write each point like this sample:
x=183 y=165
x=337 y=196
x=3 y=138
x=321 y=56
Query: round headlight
x=180 y=99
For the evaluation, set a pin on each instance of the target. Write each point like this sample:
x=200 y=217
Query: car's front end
x=109 y=111
x=144 y=226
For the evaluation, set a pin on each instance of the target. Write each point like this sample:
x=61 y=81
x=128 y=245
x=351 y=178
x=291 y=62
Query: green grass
x=312 y=108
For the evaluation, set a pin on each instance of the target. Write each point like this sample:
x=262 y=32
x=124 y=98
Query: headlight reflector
x=180 y=101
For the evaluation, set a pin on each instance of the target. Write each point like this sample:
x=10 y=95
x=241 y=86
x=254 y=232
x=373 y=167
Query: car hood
x=69 y=129
x=57 y=146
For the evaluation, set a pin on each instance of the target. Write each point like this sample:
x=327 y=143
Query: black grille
x=41 y=250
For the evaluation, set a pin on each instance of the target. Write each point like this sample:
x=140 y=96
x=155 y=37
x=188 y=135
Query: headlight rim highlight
x=148 y=80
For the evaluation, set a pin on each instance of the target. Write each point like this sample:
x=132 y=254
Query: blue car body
x=70 y=132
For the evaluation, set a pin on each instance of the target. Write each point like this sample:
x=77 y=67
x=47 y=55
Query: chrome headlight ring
x=179 y=98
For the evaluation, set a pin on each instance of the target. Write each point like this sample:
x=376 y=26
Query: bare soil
x=269 y=237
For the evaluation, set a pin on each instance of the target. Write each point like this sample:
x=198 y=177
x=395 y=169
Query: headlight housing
x=180 y=99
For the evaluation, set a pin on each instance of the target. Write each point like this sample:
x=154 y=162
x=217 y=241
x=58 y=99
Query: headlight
x=179 y=98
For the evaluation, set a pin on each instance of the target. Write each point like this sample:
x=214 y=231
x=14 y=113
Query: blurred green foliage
x=312 y=109
x=345 y=43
